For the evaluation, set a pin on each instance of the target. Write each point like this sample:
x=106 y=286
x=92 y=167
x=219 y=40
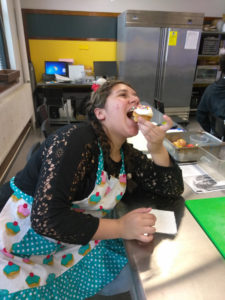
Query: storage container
x=9 y=75
x=189 y=154
x=214 y=157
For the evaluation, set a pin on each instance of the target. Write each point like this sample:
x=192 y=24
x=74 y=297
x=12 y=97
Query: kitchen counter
x=185 y=266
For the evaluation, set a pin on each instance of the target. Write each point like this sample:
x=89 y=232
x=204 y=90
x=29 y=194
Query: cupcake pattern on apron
x=34 y=265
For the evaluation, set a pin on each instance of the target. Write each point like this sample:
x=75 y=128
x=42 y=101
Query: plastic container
x=199 y=139
x=212 y=159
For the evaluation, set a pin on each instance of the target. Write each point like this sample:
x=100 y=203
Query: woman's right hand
x=138 y=224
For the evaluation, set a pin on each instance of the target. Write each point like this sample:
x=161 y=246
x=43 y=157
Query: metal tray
x=186 y=154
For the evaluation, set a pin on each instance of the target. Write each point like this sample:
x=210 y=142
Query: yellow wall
x=83 y=52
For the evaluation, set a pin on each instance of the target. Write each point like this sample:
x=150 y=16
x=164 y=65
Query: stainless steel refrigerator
x=157 y=53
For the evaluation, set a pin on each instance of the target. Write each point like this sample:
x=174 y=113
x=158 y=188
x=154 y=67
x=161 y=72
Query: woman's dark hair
x=98 y=100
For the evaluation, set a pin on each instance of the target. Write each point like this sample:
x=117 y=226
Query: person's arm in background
x=203 y=112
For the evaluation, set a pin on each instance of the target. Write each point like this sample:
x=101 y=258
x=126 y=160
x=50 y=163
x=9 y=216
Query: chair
x=46 y=129
x=42 y=113
x=54 y=100
x=43 y=120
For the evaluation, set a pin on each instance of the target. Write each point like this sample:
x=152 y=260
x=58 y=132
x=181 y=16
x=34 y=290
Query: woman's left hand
x=155 y=135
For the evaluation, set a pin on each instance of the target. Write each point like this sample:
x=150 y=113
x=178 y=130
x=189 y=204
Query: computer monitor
x=106 y=69
x=56 y=67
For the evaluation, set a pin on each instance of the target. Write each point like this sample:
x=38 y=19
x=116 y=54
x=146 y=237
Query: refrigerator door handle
x=161 y=64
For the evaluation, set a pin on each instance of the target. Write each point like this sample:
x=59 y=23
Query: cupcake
x=59 y=246
x=103 y=178
x=27 y=261
x=77 y=208
x=23 y=211
x=48 y=260
x=108 y=190
x=119 y=197
x=123 y=179
x=143 y=111
x=14 y=198
x=6 y=253
x=33 y=280
x=83 y=250
x=12 y=228
x=67 y=260
x=103 y=211
x=11 y=270
x=94 y=199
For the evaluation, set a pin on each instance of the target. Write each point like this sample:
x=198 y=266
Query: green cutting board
x=210 y=214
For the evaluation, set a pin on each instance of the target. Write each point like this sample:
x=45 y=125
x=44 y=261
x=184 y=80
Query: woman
x=53 y=238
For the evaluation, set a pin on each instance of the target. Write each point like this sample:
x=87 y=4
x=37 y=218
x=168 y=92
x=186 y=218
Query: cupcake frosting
x=143 y=110
x=13 y=226
x=23 y=210
x=4 y=251
x=11 y=267
x=32 y=279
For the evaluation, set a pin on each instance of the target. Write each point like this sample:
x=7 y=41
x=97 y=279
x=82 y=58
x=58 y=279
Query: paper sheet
x=191 y=40
x=166 y=222
x=199 y=181
x=76 y=72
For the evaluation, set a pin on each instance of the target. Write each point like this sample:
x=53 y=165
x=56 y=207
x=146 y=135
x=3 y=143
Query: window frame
x=3 y=49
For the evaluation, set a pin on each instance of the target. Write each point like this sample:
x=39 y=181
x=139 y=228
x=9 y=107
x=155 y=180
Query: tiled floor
x=20 y=161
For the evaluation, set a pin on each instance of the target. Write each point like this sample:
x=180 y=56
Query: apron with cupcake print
x=36 y=267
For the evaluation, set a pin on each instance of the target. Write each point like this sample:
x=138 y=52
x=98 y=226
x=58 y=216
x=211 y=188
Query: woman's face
x=114 y=116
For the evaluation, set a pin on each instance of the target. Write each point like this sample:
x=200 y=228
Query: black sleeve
x=51 y=211
x=161 y=182
x=203 y=111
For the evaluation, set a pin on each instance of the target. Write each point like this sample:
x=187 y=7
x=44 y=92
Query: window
x=4 y=62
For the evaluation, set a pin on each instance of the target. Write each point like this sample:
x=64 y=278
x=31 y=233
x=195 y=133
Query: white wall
x=16 y=103
x=16 y=109
x=212 y=8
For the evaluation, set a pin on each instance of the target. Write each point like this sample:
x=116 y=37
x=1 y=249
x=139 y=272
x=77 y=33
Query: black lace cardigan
x=64 y=170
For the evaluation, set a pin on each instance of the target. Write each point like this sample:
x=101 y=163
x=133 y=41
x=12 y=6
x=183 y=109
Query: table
x=66 y=87
x=187 y=266
x=72 y=94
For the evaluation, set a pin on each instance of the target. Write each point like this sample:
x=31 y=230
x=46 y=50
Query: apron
x=36 y=267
